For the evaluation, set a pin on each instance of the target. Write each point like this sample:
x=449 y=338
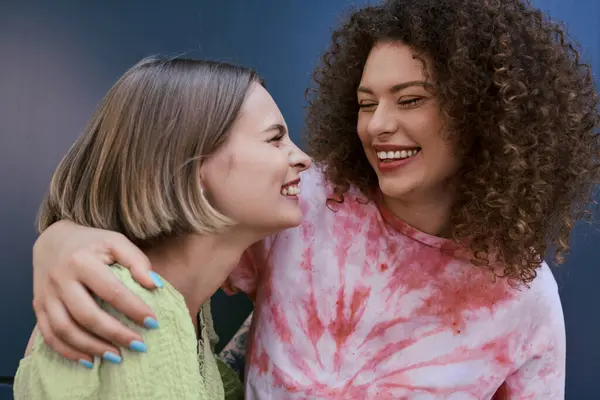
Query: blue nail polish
x=138 y=346
x=112 y=357
x=86 y=364
x=150 y=323
x=157 y=280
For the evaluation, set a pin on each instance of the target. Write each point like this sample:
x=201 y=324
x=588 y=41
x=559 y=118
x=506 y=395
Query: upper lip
x=291 y=183
x=393 y=147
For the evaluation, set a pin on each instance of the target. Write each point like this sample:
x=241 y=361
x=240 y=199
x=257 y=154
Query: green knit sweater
x=176 y=366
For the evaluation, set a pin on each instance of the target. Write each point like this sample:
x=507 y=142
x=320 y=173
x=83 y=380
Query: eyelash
x=276 y=138
x=405 y=103
x=411 y=102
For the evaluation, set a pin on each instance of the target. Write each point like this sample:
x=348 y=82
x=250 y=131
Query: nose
x=299 y=159
x=383 y=121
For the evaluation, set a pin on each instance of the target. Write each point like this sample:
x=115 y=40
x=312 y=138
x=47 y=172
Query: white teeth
x=291 y=190
x=386 y=155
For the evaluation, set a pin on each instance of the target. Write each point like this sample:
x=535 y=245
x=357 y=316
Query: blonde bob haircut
x=135 y=168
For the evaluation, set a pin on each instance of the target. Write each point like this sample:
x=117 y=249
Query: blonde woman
x=190 y=160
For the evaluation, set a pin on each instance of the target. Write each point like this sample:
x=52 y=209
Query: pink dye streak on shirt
x=355 y=304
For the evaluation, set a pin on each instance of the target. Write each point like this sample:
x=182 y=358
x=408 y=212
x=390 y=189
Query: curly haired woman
x=454 y=140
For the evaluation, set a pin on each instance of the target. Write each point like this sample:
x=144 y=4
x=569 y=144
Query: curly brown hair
x=511 y=86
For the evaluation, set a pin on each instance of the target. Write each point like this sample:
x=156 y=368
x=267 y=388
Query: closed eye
x=409 y=103
x=367 y=106
x=276 y=138
x=280 y=131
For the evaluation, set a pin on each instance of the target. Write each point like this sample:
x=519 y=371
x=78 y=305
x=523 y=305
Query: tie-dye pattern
x=355 y=304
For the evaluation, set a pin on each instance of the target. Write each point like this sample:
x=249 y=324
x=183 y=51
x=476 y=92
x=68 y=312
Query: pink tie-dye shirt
x=355 y=304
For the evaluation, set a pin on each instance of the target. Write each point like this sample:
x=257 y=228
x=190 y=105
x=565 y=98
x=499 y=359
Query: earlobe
x=201 y=186
x=200 y=180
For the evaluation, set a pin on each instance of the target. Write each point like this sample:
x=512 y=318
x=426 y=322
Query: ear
x=201 y=178
x=201 y=172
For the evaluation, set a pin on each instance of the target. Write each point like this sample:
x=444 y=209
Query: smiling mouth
x=390 y=156
x=291 y=188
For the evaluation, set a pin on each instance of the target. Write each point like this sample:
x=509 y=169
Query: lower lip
x=290 y=196
x=392 y=165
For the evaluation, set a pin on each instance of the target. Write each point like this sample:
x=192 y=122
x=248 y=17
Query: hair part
x=136 y=167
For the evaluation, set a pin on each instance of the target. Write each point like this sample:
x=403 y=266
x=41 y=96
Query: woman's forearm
x=234 y=353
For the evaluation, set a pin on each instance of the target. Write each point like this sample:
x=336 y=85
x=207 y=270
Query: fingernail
x=150 y=323
x=112 y=357
x=138 y=346
x=86 y=364
x=157 y=280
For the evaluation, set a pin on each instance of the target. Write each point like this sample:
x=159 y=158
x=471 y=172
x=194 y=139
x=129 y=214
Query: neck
x=197 y=265
x=427 y=212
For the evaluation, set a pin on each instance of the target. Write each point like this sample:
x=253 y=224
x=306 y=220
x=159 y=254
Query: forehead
x=390 y=63
x=259 y=111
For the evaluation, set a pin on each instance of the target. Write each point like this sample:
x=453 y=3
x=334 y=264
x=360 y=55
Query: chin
x=395 y=189
x=289 y=218
x=278 y=222
x=293 y=221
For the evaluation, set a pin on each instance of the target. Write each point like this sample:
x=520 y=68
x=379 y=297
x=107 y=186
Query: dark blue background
x=58 y=58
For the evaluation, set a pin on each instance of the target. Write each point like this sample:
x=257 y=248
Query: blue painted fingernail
x=86 y=364
x=157 y=280
x=150 y=323
x=112 y=357
x=138 y=346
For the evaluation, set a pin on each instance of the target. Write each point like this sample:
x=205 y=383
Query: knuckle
x=49 y=339
x=115 y=236
x=115 y=293
x=76 y=259
x=55 y=279
x=36 y=303
x=109 y=239
x=62 y=329
x=88 y=320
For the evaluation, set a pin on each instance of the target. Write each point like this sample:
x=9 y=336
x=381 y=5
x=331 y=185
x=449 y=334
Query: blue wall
x=59 y=58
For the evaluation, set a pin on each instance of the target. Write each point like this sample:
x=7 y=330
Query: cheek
x=248 y=177
x=265 y=168
x=438 y=148
x=441 y=156
x=250 y=194
x=453 y=161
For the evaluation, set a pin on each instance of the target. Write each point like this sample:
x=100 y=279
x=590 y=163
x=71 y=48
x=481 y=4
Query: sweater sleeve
x=169 y=369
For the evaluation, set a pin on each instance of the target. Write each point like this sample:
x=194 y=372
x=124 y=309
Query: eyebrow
x=276 y=127
x=399 y=87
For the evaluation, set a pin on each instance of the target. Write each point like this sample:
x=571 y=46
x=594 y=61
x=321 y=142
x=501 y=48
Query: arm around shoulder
x=168 y=369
